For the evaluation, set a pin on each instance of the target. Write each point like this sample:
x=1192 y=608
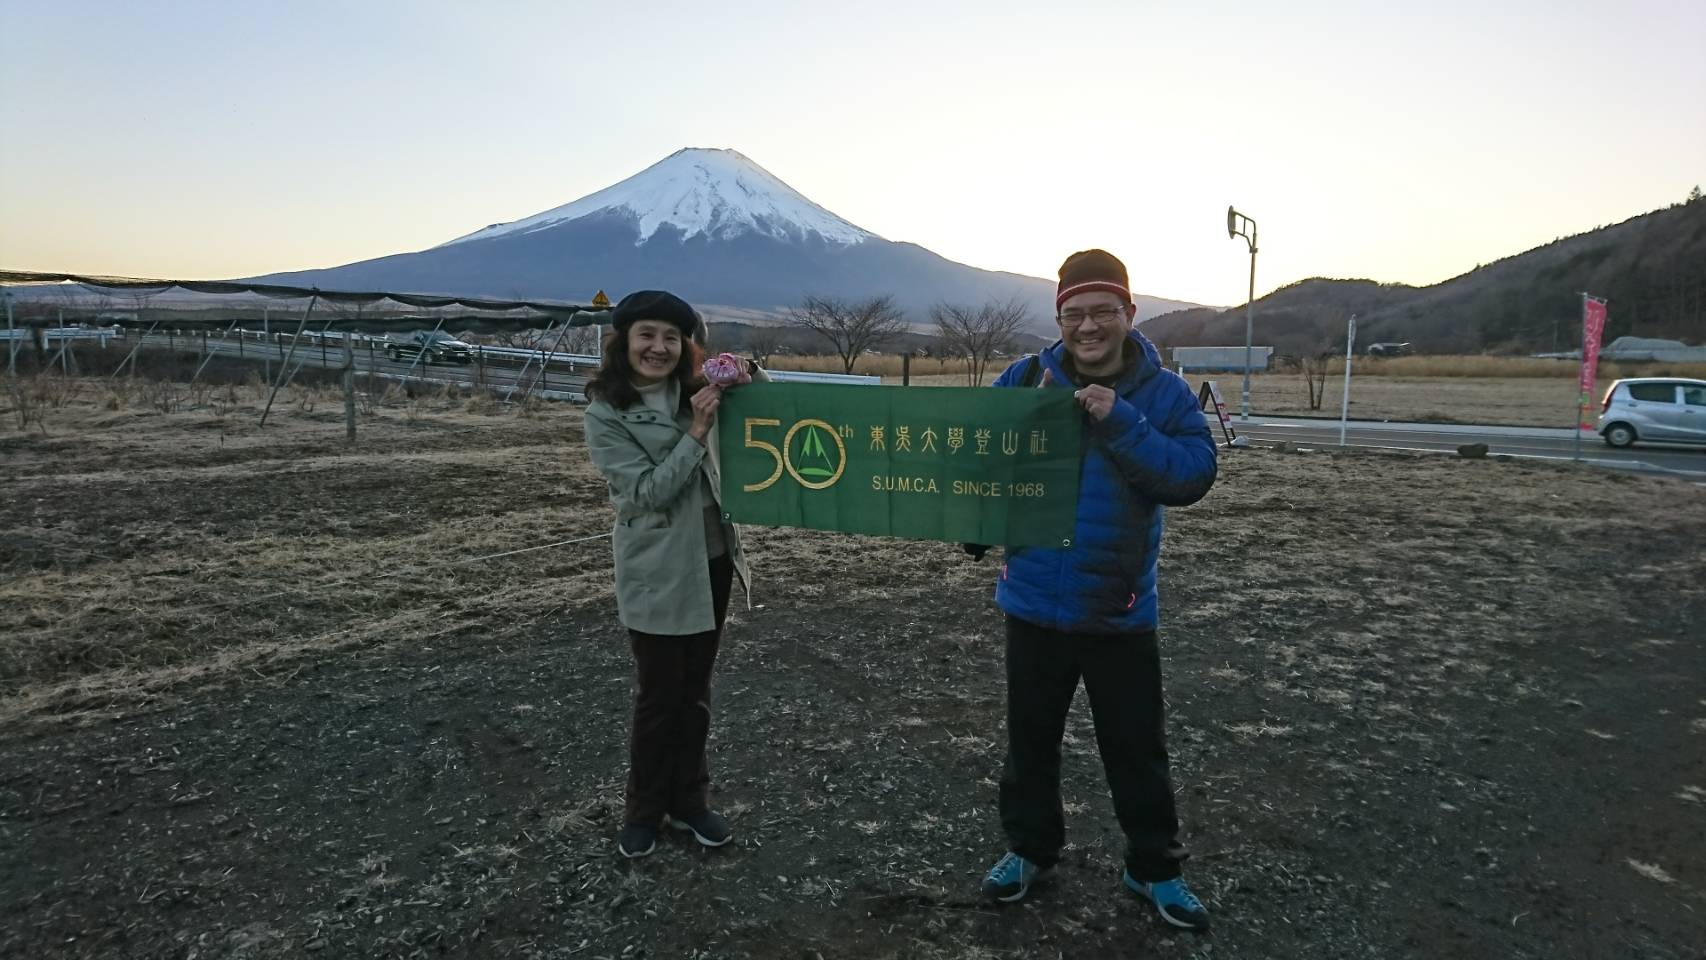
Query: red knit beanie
x=1090 y=271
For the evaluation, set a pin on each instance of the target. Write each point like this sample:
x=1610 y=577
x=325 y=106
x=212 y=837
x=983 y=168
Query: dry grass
x=873 y=365
x=952 y=372
x=310 y=544
x=1517 y=401
x=301 y=542
x=1504 y=368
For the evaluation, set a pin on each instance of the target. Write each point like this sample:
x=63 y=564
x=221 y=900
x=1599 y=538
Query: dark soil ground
x=261 y=696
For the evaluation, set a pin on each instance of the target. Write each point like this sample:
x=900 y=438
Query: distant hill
x=1652 y=268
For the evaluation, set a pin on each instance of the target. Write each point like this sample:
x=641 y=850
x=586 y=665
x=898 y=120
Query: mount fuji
x=710 y=225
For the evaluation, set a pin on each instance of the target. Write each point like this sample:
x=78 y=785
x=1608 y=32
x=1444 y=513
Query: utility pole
x=1238 y=225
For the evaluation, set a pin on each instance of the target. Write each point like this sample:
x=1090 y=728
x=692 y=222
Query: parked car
x=1654 y=409
x=433 y=346
x=1389 y=349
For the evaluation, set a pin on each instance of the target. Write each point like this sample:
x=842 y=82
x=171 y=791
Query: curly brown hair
x=614 y=382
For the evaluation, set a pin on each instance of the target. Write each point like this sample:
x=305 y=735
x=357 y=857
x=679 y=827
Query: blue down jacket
x=1153 y=450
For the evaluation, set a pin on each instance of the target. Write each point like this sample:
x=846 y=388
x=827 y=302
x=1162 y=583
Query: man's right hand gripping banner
x=959 y=464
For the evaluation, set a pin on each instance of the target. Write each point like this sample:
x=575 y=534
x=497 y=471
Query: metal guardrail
x=523 y=353
x=507 y=371
x=62 y=333
x=481 y=352
x=803 y=376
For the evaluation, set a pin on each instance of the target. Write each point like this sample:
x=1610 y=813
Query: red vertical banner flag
x=1593 y=326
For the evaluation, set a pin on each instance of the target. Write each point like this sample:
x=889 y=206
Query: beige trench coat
x=663 y=583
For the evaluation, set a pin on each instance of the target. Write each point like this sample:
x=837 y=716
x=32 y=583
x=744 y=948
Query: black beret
x=655 y=305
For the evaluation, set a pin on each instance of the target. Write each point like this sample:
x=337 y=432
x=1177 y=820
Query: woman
x=649 y=428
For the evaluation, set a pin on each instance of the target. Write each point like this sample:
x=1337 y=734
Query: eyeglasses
x=1102 y=315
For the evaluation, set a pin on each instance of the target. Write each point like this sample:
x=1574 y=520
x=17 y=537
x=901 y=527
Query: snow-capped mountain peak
x=718 y=193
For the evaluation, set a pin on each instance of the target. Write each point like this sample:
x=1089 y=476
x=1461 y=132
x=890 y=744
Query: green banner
x=960 y=464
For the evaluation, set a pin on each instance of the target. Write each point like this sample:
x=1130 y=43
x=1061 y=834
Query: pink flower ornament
x=725 y=370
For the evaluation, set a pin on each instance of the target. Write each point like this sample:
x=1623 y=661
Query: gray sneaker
x=707 y=826
x=637 y=840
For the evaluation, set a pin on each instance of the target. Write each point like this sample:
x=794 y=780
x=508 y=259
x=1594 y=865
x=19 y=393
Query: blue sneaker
x=1011 y=878
x=1174 y=901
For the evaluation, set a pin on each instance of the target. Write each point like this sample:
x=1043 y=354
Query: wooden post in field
x=11 y=339
x=131 y=356
x=64 y=356
x=285 y=365
x=1345 y=398
x=906 y=369
x=207 y=357
x=532 y=354
x=349 y=388
x=64 y=342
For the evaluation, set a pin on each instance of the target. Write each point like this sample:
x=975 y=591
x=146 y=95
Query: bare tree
x=523 y=338
x=73 y=303
x=26 y=406
x=527 y=339
x=977 y=334
x=580 y=340
x=139 y=300
x=851 y=326
x=1314 y=367
x=761 y=342
x=100 y=308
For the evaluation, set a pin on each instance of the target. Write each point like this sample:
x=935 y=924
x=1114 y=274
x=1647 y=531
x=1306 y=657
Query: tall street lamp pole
x=1238 y=225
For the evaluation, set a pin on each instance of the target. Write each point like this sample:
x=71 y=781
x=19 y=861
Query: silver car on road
x=1654 y=409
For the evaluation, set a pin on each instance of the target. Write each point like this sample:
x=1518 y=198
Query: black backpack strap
x=1033 y=373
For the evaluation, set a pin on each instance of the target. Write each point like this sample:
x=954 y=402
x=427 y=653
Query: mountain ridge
x=699 y=224
x=1651 y=268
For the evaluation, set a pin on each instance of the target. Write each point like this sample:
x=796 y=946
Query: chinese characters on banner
x=1593 y=325
x=936 y=463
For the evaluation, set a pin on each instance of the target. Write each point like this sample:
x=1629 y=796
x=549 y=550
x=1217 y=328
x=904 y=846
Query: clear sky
x=1400 y=142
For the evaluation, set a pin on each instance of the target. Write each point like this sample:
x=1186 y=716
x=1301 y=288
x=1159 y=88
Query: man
x=1090 y=610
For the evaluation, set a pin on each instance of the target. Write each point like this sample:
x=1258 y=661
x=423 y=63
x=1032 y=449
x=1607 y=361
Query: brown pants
x=667 y=768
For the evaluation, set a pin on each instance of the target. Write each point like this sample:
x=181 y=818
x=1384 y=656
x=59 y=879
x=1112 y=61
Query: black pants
x=667 y=768
x=1122 y=675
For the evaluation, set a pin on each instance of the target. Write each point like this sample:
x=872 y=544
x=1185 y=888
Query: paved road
x=1530 y=442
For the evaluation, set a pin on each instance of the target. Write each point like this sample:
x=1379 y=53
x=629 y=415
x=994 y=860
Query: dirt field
x=263 y=695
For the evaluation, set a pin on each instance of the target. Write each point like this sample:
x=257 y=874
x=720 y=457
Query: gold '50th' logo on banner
x=809 y=461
